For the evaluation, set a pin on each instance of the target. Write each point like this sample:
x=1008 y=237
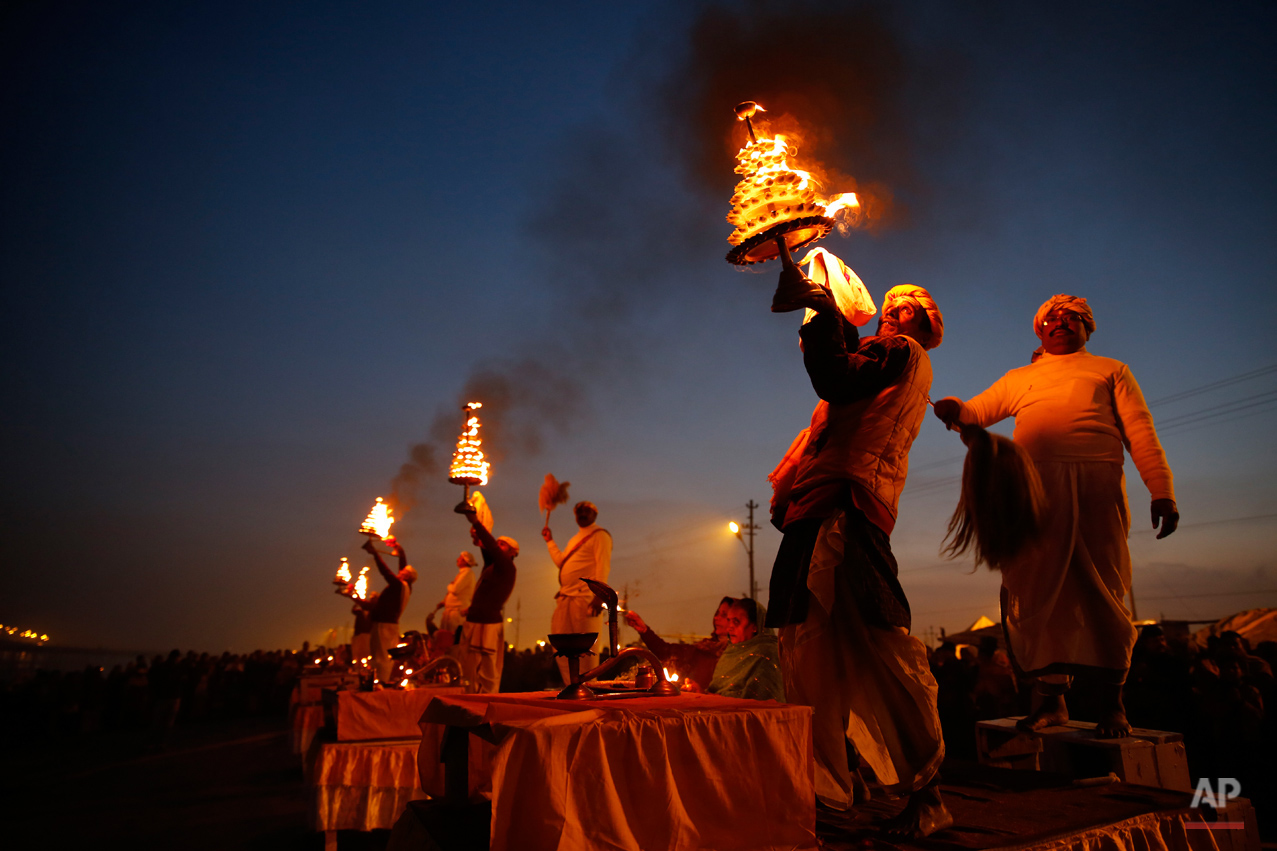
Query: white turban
x=1068 y=302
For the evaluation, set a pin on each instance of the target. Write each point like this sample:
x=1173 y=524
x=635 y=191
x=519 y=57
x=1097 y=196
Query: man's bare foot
x=1052 y=713
x=924 y=815
x=1113 y=723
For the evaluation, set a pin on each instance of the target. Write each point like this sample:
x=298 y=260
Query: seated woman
x=750 y=666
x=694 y=661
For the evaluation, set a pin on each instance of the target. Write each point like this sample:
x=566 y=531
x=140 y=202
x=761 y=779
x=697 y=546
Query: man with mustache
x=1062 y=600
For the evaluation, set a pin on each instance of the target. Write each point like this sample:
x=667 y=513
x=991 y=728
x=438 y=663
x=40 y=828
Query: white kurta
x=457 y=600
x=588 y=555
x=1064 y=600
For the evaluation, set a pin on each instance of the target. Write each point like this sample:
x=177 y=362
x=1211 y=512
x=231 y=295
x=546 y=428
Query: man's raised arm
x=386 y=572
x=486 y=541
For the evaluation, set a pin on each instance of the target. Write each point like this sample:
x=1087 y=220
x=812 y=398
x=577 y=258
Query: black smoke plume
x=620 y=236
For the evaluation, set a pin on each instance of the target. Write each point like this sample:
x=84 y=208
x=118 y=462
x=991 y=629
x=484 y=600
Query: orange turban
x=922 y=299
x=1068 y=302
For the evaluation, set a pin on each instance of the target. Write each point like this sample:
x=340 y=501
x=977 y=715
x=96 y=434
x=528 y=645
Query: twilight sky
x=254 y=256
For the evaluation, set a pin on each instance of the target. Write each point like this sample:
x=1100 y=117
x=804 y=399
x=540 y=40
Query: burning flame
x=672 y=676
x=343 y=572
x=468 y=466
x=361 y=585
x=772 y=190
x=378 y=521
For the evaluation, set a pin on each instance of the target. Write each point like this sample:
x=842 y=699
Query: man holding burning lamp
x=389 y=608
x=1063 y=608
x=843 y=617
x=588 y=556
x=483 y=633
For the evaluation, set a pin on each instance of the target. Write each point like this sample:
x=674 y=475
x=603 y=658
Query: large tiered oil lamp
x=378 y=521
x=468 y=466
x=360 y=591
x=777 y=200
x=343 y=576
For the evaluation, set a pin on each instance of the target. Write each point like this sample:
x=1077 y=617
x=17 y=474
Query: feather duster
x=481 y=509
x=552 y=494
x=1000 y=511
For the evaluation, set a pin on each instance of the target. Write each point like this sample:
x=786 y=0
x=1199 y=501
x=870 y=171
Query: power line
x=1214 y=385
x=1249 y=519
x=1222 y=594
x=1242 y=404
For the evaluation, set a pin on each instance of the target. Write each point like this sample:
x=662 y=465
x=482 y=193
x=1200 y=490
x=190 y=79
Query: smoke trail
x=638 y=199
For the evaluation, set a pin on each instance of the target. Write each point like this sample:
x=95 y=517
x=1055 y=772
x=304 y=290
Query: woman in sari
x=750 y=665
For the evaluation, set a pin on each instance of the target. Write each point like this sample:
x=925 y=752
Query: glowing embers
x=468 y=465
x=775 y=197
x=378 y=521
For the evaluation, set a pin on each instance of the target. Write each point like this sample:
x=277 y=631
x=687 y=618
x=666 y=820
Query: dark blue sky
x=253 y=254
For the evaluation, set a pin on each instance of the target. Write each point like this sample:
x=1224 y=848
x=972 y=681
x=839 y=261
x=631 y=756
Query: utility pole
x=749 y=528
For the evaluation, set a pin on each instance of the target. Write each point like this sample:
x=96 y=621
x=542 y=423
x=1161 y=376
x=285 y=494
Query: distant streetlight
x=739 y=532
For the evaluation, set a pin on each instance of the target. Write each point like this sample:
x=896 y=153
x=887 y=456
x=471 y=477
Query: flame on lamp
x=773 y=190
x=343 y=572
x=468 y=465
x=378 y=521
x=672 y=676
x=361 y=585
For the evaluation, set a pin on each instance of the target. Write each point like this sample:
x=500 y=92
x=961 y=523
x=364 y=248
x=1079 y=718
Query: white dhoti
x=867 y=685
x=572 y=614
x=482 y=656
x=1064 y=600
x=452 y=618
x=360 y=646
x=384 y=636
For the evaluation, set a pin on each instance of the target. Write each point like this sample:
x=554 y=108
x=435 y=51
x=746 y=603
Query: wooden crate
x=1146 y=757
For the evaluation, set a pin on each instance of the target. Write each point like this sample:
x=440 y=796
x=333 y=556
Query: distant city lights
x=29 y=634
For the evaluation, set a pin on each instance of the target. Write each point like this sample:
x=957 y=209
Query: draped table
x=363 y=768
x=694 y=771
x=305 y=705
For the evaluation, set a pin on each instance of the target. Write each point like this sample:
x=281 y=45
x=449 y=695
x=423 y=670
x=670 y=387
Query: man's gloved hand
x=1164 y=510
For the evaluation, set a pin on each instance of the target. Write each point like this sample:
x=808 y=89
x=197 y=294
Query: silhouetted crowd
x=152 y=695
x=1218 y=697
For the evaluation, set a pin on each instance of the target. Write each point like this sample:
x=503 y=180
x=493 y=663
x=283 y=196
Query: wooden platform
x=999 y=808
